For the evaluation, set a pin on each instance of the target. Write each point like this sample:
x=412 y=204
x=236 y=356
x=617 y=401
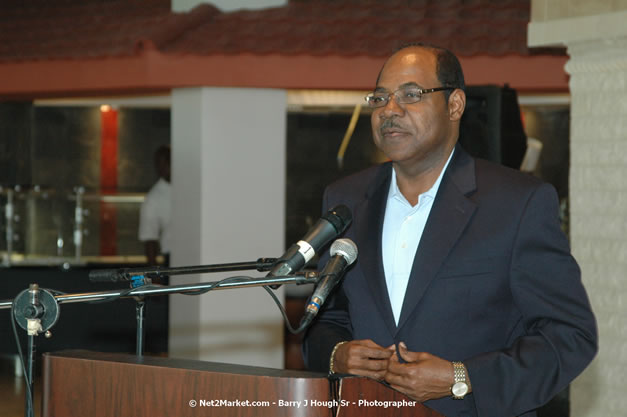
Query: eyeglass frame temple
x=422 y=91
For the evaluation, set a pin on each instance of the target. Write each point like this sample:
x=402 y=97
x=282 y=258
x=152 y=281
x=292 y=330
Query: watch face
x=460 y=389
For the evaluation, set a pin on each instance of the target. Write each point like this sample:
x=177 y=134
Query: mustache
x=389 y=124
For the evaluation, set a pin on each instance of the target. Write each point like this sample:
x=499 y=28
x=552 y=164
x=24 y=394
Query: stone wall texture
x=595 y=34
x=598 y=197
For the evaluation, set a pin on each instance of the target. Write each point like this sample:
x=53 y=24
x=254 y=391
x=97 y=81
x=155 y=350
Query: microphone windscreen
x=346 y=248
x=103 y=275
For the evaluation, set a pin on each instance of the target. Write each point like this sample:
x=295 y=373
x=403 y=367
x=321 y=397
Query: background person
x=154 y=217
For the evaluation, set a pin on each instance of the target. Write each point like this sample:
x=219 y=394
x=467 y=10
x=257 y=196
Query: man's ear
x=456 y=104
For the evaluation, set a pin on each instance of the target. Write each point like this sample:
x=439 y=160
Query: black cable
x=127 y=292
x=21 y=355
x=212 y=287
x=302 y=326
x=122 y=294
x=215 y=284
x=265 y=287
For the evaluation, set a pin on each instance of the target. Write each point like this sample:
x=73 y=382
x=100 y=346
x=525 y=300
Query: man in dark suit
x=465 y=295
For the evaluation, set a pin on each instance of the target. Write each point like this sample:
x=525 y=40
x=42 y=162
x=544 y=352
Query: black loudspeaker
x=491 y=127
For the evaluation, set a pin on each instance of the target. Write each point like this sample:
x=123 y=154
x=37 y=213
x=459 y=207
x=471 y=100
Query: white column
x=228 y=177
x=598 y=197
x=596 y=36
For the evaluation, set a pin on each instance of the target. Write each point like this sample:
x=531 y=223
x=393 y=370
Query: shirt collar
x=395 y=192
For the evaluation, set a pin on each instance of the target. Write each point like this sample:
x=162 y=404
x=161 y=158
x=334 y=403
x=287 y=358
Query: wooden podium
x=83 y=383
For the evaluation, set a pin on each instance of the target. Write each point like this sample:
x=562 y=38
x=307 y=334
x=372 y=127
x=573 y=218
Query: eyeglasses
x=406 y=95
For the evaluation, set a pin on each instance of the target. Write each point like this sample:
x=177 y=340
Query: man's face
x=163 y=167
x=418 y=132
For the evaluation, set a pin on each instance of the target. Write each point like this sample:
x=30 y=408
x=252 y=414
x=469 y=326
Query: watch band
x=460 y=372
x=460 y=388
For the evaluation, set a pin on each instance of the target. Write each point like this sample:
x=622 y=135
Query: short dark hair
x=447 y=68
x=162 y=153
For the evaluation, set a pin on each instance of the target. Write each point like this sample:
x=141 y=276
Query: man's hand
x=424 y=376
x=362 y=357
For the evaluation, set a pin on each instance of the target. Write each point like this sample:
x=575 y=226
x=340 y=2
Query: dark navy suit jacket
x=493 y=284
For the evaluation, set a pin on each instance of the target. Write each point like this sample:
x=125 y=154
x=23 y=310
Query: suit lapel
x=369 y=235
x=449 y=215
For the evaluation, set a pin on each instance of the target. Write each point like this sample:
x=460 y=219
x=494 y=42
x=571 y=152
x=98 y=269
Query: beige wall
x=566 y=22
x=595 y=33
x=543 y=10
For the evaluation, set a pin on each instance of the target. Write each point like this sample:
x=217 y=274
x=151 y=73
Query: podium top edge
x=189 y=364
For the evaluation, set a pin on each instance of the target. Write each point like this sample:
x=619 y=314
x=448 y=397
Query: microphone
x=118 y=275
x=124 y=274
x=107 y=275
x=343 y=254
x=330 y=225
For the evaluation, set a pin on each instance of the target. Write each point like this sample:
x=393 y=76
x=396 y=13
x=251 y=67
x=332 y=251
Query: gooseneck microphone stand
x=142 y=276
x=130 y=274
x=36 y=309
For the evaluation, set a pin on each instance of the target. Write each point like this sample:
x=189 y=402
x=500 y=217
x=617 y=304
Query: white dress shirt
x=402 y=229
x=154 y=216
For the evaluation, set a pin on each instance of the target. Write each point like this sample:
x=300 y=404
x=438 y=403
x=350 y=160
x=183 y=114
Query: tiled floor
x=12 y=391
x=12 y=388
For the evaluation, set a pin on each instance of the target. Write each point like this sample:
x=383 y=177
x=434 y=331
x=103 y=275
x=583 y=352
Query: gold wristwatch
x=460 y=387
